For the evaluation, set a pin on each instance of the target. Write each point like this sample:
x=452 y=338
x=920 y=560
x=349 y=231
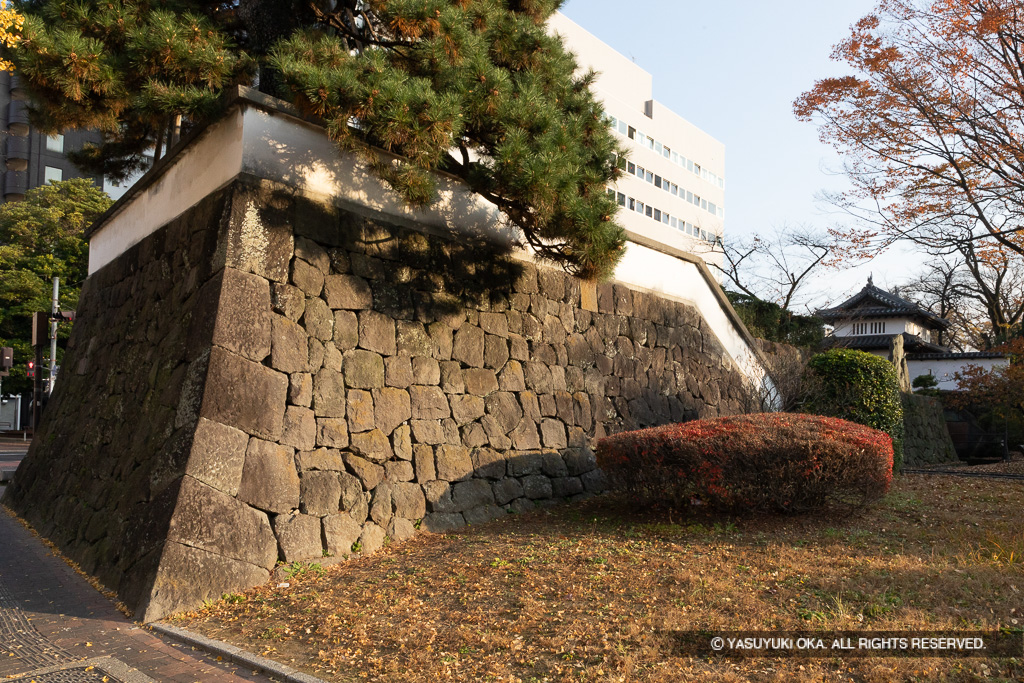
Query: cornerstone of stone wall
x=268 y=379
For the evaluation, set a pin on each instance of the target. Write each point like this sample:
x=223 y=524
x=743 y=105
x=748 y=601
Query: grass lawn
x=593 y=591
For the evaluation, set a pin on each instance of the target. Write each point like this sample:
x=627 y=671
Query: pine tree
x=474 y=88
x=132 y=70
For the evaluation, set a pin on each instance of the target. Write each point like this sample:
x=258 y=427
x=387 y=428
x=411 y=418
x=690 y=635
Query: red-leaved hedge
x=772 y=461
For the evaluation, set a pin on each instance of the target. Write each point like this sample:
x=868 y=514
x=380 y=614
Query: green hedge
x=860 y=387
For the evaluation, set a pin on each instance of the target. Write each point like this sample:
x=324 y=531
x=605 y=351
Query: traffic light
x=31 y=372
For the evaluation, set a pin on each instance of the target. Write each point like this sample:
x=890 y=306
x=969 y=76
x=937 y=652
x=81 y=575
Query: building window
x=657 y=215
x=657 y=181
x=632 y=204
x=630 y=167
x=869 y=328
x=52 y=175
x=622 y=199
x=650 y=211
x=55 y=143
x=631 y=134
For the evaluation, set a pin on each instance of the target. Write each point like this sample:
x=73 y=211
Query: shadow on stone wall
x=270 y=379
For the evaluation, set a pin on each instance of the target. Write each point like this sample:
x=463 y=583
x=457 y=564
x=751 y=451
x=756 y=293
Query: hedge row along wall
x=267 y=379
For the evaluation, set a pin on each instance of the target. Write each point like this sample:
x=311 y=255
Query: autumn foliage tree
x=10 y=27
x=474 y=88
x=930 y=122
x=997 y=393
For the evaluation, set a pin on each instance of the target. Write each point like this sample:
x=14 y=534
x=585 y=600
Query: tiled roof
x=952 y=355
x=911 y=343
x=872 y=302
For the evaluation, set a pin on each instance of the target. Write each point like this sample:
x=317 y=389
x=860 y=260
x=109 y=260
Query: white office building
x=673 y=185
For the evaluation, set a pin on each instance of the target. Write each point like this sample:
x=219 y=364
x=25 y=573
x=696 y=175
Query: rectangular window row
x=664 y=217
x=643 y=140
x=869 y=328
x=670 y=187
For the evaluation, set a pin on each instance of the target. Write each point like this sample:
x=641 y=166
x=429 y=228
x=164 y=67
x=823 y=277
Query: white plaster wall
x=300 y=155
x=945 y=369
x=893 y=326
x=673 y=278
x=206 y=165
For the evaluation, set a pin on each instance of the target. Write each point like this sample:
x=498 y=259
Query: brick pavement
x=56 y=627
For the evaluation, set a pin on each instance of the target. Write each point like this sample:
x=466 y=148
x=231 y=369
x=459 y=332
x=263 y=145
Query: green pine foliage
x=42 y=238
x=859 y=387
x=473 y=88
x=127 y=69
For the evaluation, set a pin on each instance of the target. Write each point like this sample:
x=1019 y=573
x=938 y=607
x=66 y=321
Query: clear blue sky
x=733 y=68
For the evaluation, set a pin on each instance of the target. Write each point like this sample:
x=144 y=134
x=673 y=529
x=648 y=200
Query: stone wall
x=272 y=379
x=927 y=441
x=102 y=475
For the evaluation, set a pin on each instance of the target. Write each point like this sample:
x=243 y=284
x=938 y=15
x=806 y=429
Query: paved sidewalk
x=55 y=627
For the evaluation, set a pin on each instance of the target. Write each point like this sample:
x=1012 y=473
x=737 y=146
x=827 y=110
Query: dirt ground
x=596 y=591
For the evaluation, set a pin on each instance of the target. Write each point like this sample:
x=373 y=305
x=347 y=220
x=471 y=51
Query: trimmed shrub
x=771 y=461
x=859 y=387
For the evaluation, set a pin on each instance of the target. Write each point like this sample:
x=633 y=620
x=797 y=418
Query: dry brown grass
x=586 y=593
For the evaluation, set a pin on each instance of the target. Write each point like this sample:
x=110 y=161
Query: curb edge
x=235 y=654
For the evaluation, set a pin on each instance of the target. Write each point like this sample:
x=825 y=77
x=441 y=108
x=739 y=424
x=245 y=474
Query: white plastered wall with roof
x=673 y=186
x=889 y=326
x=944 y=370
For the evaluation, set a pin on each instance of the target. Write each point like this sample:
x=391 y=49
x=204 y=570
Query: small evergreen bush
x=780 y=462
x=859 y=387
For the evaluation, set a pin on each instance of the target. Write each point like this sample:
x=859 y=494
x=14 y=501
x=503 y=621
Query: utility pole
x=6 y=363
x=54 y=317
x=38 y=339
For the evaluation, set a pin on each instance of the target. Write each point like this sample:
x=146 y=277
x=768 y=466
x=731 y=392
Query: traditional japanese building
x=870 y=319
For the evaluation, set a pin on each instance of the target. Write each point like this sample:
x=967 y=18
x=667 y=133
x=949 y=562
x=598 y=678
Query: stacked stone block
x=926 y=440
x=346 y=381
